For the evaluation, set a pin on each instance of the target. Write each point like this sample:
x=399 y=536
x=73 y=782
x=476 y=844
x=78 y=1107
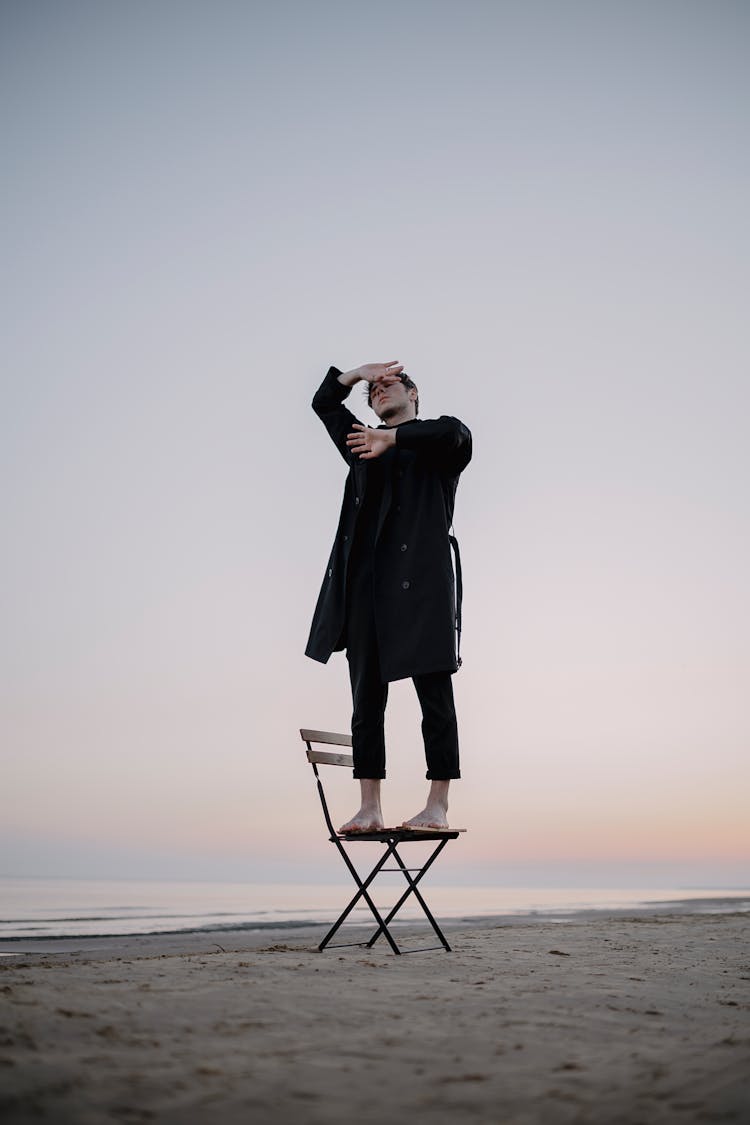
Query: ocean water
x=54 y=908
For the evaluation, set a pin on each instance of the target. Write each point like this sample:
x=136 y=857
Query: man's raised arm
x=372 y=373
x=329 y=398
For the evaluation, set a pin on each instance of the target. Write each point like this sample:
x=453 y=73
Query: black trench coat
x=414 y=588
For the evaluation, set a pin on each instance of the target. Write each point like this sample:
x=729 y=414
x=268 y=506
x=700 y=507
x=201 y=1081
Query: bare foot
x=428 y=818
x=370 y=816
x=435 y=812
x=364 y=821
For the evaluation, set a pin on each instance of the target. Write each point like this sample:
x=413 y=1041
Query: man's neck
x=398 y=416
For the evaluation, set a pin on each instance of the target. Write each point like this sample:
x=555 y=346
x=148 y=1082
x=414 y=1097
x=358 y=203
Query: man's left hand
x=367 y=443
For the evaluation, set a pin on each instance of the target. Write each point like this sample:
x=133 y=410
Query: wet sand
x=635 y=1020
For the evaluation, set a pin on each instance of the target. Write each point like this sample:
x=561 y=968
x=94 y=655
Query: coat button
x=403 y=546
x=356 y=499
x=346 y=537
x=405 y=585
x=330 y=572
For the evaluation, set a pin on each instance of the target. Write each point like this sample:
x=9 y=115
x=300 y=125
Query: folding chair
x=393 y=838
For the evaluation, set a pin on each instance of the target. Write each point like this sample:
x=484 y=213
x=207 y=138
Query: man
x=388 y=595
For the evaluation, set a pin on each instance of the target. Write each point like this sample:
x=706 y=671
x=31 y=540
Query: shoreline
x=305 y=934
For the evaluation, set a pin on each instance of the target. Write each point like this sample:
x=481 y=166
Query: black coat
x=414 y=589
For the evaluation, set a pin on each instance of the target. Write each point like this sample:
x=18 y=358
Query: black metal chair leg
x=362 y=893
x=412 y=889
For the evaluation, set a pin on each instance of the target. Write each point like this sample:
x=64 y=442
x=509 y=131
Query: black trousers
x=370 y=695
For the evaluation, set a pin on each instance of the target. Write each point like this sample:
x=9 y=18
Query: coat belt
x=459 y=596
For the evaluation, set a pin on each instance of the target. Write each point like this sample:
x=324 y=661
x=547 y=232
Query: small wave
x=105 y=918
x=223 y=927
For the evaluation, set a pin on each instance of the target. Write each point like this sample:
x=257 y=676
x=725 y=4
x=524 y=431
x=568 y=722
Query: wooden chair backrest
x=327 y=757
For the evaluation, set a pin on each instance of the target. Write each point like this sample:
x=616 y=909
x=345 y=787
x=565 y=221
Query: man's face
x=389 y=397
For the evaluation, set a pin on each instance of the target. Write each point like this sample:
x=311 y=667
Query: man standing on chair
x=389 y=596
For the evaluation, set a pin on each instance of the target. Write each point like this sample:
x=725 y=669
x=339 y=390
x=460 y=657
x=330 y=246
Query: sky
x=540 y=209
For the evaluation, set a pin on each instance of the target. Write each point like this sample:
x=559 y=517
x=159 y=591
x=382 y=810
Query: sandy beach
x=629 y=1019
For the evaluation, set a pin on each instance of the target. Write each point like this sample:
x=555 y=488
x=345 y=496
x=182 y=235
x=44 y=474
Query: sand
x=618 y=1019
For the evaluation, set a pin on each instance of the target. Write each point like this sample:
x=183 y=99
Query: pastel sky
x=540 y=208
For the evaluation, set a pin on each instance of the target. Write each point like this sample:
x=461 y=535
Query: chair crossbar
x=348 y=945
x=364 y=945
x=422 y=949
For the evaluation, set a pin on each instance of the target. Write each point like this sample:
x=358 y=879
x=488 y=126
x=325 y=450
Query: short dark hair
x=408 y=383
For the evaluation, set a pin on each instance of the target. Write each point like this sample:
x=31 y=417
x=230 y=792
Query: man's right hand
x=372 y=373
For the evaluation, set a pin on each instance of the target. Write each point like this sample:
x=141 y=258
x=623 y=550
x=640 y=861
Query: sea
x=67 y=908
